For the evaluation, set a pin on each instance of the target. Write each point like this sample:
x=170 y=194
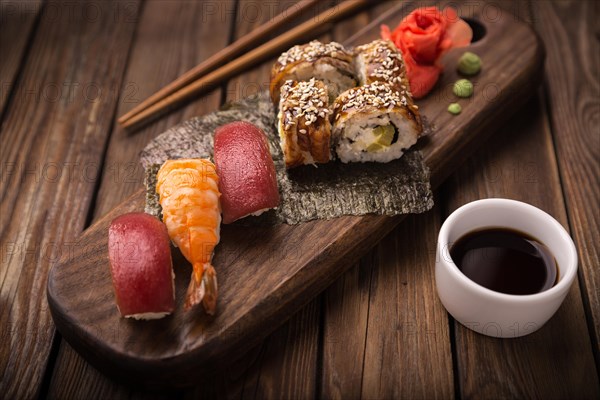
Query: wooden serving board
x=266 y=274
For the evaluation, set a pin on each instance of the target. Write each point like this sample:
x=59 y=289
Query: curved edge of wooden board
x=132 y=351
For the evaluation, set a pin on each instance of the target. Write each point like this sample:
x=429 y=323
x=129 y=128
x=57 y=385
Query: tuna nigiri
x=248 y=183
x=189 y=196
x=140 y=264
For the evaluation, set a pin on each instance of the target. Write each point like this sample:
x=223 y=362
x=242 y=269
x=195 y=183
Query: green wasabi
x=469 y=64
x=454 y=108
x=463 y=88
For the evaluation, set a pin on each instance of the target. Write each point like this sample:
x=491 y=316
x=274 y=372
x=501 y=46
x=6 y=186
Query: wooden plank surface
x=346 y=327
x=156 y=34
x=520 y=164
x=18 y=21
x=288 y=358
x=407 y=352
x=308 y=257
x=288 y=366
x=52 y=141
x=346 y=301
x=280 y=366
x=381 y=314
x=572 y=86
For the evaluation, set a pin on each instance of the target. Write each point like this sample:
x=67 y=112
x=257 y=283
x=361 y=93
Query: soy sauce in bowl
x=506 y=261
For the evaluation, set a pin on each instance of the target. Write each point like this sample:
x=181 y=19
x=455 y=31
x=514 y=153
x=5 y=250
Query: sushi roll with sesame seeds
x=330 y=62
x=374 y=123
x=303 y=123
x=380 y=61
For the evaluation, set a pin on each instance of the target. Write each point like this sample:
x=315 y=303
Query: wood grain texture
x=288 y=358
x=573 y=98
x=284 y=266
x=179 y=48
x=256 y=79
x=359 y=357
x=557 y=360
x=88 y=383
x=252 y=39
x=18 y=23
x=388 y=316
x=52 y=140
x=407 y=324
x=280 y=366
x=156 y=33
x=289 y=364
x=286 y=39
x=346 y=312
x=345 y=302
x=283 y=366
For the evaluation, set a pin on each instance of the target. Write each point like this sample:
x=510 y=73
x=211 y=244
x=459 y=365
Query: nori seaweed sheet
x=153 y=206
x=308 y=192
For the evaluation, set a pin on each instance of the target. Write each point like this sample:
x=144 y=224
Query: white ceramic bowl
x=493 y=313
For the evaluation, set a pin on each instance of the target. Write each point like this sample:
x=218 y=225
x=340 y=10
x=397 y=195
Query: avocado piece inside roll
x=374 y=123
x=384 y=135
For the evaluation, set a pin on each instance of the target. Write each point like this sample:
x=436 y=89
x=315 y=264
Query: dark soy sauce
x=506 y=261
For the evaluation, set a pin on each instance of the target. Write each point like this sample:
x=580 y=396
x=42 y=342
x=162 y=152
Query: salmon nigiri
x=189 y=196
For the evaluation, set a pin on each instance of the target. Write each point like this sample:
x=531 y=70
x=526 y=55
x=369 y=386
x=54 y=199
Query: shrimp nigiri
x=189 y=196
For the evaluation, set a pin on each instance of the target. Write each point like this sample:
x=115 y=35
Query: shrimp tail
x=209 y=279
x=202 y=288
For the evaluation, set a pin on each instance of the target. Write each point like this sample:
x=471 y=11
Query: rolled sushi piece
x=247 y=179
x=140 y=264
x=374 y=123
x=330 y=62
x=303 y=123
x=380 y=61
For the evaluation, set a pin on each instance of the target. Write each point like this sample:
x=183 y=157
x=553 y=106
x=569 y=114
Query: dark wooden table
x=67 y=70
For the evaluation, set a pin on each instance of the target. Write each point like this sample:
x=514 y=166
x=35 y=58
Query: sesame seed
x=388 y=62
x=376 y=94
x=310 y=52
x=304 y=101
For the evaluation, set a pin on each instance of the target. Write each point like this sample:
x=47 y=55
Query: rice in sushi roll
x=303 y=123
x=380 y=61
x=330 y=62
x=374 y=123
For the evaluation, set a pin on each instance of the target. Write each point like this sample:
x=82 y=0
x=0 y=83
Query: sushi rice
x=363 y=114
x=358 y=135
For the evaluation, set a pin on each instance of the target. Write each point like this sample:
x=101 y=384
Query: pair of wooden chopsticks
x=215 y=70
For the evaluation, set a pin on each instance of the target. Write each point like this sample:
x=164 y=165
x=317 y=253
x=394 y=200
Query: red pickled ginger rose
x=423 y=37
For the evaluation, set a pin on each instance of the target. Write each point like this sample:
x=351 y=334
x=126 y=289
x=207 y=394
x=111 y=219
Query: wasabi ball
x=469 y=64
x=463 y=88
x=454 y=108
